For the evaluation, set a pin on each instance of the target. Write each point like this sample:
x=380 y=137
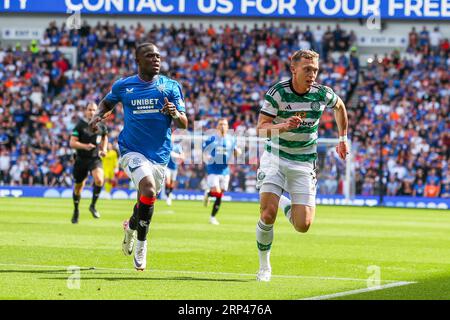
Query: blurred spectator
x=368 y=187
x=330 y=185
x=435 y=38
x=432 y=190
x=56 y=171
x=419 y=188
x=445 y=190
x=393 y=186
x=5 y=161
x=406 y=189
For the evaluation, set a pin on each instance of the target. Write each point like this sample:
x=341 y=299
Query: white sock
x=264 y=238
x=285 y=205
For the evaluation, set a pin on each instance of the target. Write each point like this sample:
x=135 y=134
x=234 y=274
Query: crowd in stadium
x=402 y=100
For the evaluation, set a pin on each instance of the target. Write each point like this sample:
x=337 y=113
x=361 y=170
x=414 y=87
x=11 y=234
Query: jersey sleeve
x=208 y=142
x=270 y=106
x=177 y=97
x=331 y=98
x=115 y=94
x=76 y=131
x=176 y=151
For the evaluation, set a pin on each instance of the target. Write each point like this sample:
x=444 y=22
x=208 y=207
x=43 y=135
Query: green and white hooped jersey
x=281 y=102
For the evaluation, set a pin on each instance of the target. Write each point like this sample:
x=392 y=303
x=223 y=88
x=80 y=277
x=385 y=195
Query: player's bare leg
x=217 y=193
x=169 y=188
x=302 y=217
x=98 y=176
x=264 y=233
x=206 y=198
x=76 y=200
x=299 y=215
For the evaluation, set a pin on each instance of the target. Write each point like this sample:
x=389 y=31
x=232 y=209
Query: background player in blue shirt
x=218 y=150
x=150 y=103
x=172 y=170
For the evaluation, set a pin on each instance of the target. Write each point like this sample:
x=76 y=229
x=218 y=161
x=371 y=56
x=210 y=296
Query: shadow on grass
x=151 y=279
x=43 y=271
x=98 y=276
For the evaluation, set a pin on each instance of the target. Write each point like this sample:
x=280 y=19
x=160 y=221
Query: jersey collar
x=293 y=90
x=155 y=79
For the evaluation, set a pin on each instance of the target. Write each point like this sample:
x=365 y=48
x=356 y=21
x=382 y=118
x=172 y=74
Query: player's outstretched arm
x=104 y=110
x=340 y=114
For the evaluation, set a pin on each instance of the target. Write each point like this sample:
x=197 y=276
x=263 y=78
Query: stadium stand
x=401 y=100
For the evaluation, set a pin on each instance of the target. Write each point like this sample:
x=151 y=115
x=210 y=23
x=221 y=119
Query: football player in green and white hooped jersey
x=290 y=120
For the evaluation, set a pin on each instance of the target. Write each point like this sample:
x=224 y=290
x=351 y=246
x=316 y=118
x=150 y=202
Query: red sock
x=216 y=194
x=146 y=200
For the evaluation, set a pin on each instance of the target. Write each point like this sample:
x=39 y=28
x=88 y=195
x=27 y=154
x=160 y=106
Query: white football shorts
x=218 y=181
x=171 y=174
x=138 y=166
x=276 y=175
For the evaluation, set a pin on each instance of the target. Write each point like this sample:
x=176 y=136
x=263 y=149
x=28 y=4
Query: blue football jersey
x=146 y=129
x=221 y=150
x=172 y=165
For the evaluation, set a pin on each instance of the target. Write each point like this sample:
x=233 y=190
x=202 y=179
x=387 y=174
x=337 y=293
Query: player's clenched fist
x=293 y=122
x=169 y=108
x=93 y=123
x=342 y=150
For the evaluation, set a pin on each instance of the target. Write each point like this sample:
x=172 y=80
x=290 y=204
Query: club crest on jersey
x=315 y=106
x=161 y=87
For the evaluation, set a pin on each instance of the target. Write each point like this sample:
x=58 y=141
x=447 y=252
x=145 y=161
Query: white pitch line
x=195 y=272
x=165 y=212
x=352 y=292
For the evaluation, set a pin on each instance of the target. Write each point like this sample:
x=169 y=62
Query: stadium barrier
x=370 y=201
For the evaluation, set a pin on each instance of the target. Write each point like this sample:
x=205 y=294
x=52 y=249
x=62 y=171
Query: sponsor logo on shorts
x=134 y=164
x=132 y=169
x=261 y=175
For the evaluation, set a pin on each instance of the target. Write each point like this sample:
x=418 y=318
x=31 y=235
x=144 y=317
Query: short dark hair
x=143 y=45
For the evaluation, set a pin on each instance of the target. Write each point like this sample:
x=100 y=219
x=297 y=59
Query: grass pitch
x=344 y=254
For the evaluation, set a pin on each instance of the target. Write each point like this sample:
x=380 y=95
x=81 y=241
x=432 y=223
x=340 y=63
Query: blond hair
x=306 y=54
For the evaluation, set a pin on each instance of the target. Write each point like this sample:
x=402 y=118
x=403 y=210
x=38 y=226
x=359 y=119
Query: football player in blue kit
x=151 y=102
x=218 y=150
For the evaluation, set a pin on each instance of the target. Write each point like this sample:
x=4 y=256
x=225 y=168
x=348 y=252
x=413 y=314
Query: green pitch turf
x=346 y=249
